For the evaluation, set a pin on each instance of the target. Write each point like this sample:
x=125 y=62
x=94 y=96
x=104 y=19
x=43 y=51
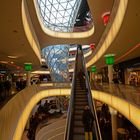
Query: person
x=7 y=86
x=115 y=80
x=87 y=119
x=81 y=77
x=81 y=74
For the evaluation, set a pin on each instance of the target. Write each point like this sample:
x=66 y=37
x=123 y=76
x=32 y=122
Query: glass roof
x=59 y=15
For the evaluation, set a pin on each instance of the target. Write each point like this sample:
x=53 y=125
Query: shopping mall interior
x=62 y=58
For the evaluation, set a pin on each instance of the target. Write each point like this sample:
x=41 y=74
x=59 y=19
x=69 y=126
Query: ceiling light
x=5 y=62
x=12 y=56
x=28 y=63
x=43 y=60
x=12 y=62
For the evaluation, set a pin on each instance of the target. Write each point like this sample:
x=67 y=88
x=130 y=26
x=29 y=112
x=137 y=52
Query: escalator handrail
x=91 y=104
x=71 y=104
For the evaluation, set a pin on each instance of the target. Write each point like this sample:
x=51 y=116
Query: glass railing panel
x=127 y=92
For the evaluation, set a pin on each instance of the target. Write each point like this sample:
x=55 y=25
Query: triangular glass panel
x=67 y=9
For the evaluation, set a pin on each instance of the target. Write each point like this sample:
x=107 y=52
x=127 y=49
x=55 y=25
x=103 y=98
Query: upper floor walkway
x=15 y=113
x=125 y=92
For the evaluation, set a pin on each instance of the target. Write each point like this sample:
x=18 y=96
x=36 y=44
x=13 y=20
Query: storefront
x=132 y=76
x=131 y=71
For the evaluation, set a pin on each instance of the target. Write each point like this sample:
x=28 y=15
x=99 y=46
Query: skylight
x=59 y=15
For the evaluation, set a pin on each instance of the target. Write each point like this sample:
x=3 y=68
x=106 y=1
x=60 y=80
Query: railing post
x=113 y=113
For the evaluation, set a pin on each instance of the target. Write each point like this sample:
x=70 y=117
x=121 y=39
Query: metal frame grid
x=59 y=15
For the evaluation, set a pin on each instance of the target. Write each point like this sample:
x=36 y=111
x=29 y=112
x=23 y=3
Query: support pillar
x=28 y=78
x=110 y=73
x=93 y=76
x=113 y=113
x=28 y=68
x=28 y=83
x=90 y=77
x=109 y=59
x=93 y=70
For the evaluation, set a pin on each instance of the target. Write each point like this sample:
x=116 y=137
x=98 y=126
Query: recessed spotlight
x=15 y=31
x=12 y=62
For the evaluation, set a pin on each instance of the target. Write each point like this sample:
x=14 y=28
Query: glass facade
x=62 y=16
x=59 y=15
x=57 y=59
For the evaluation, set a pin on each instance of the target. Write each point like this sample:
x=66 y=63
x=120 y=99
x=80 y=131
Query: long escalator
x=80 y=97
x=80 y=100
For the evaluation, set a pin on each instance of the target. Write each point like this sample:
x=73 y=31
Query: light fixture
x=105 y=17
x=93 y=69
x=92 y=46
x=109 y=59
x=12 y=62
x=12 y=56
x=43 y=60
x=28 y=66
x=41 y=72
x=4 y=62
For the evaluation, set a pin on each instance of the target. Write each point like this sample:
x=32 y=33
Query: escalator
x=80 y=101
x=80 y=97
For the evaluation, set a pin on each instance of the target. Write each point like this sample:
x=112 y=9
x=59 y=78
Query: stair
x=80 y=101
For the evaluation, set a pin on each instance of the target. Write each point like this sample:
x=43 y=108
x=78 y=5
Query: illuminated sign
x=28 y=66
x=109 y=59
x=93 y=69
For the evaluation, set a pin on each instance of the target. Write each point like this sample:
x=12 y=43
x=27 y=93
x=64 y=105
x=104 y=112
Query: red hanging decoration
x=105 y=17
x=92 y=46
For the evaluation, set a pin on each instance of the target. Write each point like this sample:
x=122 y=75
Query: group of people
x=20 y=84
x=104 y=118
x=40 y=115
x=33 y=123
x=87 y=119
x=5 y=88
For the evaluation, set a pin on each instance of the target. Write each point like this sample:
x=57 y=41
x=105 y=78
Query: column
x=28 y=68
x=28 y=83
x=90 y=77
x=93 y=76
x=113 y=113
x=93 y=70
x=109 y=59
x=28 y=73
x=110 y=73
